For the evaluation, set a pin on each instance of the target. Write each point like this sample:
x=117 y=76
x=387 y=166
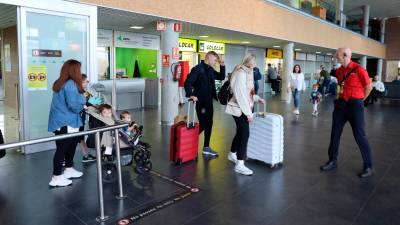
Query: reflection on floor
x=298 y=193
x=9 y=123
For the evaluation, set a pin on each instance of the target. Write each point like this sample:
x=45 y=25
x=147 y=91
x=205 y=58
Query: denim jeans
x=296 y=98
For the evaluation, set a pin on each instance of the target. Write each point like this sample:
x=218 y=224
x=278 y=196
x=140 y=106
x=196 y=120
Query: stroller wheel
x=109 y=171
x=141 y=155
x=143 y=167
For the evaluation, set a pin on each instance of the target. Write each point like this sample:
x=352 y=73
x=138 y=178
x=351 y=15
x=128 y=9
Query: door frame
x=60 y=8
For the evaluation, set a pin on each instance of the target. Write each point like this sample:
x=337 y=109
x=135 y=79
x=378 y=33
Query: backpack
x=225 y=94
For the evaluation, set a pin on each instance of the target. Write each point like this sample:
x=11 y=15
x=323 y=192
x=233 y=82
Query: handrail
x=60 y=137
x=95 y=131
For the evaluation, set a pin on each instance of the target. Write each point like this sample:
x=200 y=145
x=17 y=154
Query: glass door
x=48 y=39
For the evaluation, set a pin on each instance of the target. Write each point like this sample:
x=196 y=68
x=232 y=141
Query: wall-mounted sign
x=134 y=40
x=300 y=56
x=37 y=77
x=274 y=53
x=311 y=57
x=175 y=53
x=46 y=53
x=104 y=38
x=205 y=46
x=161 y=25
x=187 y=45
x=165 y=60
x=177 y=27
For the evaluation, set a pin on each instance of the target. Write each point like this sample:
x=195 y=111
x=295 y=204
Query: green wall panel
x=147 y=60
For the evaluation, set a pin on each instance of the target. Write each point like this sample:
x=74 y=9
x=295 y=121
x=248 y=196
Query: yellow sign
x=187 y=45
x=205 y=46
x=274 y=54
x=37 y=77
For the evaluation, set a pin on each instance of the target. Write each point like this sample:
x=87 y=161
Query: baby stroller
x=131 y=148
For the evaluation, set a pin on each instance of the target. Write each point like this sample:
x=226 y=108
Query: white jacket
x=239 y=104
x=297 y=82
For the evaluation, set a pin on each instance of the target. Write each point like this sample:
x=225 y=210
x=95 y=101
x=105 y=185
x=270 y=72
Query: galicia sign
x=187 y=45
x=205 y=46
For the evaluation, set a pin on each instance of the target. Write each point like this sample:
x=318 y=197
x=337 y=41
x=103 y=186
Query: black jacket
x=257 y=76
x=201 y=82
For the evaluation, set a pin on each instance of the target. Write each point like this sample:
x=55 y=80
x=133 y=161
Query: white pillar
x=292 y=3
x=366 y=20
x=339 y=12
x=169 y=89
x=379 y=68
x=363 y=61
x=383 y=27
x=287 y=69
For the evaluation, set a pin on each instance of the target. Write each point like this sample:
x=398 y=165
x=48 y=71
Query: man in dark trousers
x=200 y=87
x=355 y=86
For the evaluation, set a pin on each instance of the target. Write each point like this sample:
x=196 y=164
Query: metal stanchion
x=118 y=152
x=102 y=217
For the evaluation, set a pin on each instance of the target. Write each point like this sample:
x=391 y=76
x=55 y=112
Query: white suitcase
x=266 y=141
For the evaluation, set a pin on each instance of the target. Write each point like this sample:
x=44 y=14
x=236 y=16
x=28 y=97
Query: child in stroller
x=130 y=145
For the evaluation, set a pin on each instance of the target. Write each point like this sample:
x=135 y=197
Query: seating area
x=392 y=91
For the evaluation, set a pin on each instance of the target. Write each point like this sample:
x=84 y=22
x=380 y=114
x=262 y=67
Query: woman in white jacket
x=240 y=107
x=297 y=86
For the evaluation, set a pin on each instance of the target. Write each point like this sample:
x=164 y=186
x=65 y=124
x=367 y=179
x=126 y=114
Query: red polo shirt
x=355 y=84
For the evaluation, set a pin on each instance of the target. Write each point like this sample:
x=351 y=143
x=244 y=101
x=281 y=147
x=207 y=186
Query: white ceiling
x=8 y=16
x=378 y=8
x=123 y=20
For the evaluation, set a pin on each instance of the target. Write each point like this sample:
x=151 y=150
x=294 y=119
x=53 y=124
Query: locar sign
x=187 y=45
x=205 y=46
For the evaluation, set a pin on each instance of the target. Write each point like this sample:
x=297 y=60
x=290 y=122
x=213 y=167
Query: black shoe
x=330 y=165
x=88 y=158
x=366 y=172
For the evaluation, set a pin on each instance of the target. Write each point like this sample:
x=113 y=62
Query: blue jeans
x=296 y=98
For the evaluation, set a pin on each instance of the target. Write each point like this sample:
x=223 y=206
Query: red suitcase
x=184 y=142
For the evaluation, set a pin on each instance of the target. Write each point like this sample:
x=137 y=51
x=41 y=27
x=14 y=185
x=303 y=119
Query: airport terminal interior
x=311 y=67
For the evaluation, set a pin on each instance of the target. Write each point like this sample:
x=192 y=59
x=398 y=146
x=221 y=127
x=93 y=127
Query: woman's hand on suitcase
x=261 y=101
x=194 y=98
x=250 y=119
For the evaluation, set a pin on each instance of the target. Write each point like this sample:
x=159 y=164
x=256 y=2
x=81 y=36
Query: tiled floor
x=296 y=194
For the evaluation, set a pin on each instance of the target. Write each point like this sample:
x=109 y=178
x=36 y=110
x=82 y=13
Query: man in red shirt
x=354 y=86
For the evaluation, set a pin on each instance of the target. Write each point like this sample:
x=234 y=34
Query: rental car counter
x=130 y=92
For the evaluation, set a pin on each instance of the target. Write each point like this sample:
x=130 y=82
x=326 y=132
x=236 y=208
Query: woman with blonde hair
x=240 y=107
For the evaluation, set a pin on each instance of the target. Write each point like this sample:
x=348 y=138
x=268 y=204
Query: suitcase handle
x=190 y=124
x=261 y=114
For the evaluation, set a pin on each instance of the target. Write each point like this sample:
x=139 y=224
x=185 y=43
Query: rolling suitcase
x=266 y=141
x=184 y=141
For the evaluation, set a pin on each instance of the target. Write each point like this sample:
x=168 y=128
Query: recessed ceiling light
x=203 y=36
x=328 y=53
x=245 y=42
x=276 y=46
x=318 y=52
x=137 y=27
x=298 y=49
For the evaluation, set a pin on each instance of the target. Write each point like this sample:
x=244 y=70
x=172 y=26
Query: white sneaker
x=232 y=157
x=59 y=181
x=242 y=169
x=72 y=173
x=296 y=111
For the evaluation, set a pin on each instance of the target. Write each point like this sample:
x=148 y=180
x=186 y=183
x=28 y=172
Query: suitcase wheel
x=179 y=162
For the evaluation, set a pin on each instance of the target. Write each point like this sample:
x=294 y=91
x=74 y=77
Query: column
x=169 y=88
x=293 y=3
x=366 y=20
x=339 y=12
x=382 y=40
x=363 y=61
x=287 y=69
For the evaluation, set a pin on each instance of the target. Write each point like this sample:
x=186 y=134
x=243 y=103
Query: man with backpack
x=200 y=87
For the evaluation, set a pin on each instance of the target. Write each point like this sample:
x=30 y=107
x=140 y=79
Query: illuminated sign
x=274 y=53
x=205 y=46
x=187 y=45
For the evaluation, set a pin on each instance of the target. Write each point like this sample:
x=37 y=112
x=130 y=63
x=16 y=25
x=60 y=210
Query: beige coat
x=242 y=85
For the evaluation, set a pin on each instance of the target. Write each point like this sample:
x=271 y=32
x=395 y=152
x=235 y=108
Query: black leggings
x=239 y=143
x=65 y=150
